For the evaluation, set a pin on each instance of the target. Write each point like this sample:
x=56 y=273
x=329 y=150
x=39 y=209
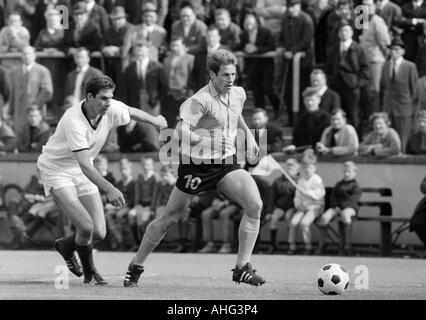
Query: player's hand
x=115 y=197
x=160 y=123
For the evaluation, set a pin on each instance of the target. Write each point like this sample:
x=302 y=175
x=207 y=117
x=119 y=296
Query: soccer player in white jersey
x=216 y=108
x=67 y=171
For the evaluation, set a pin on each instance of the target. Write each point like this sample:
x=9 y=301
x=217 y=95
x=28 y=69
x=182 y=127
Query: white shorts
x=54 y=179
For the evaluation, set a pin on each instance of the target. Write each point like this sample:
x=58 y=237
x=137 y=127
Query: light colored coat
x=347 y=141
x=375 y=39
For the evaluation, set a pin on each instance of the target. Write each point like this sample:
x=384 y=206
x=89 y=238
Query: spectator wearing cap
x=14 y=36
x=229 y=31
x=114 y=37
x=98 y=16
x=399 y=82
x=146 y=83
x=191 y=29
x=135 y=9
x=51 y=38
x=340 y=138
x=311 y=124
x=348 y=70
x=201 y=9
x=178 y=69
x=330 y=99
x=417 y=142
x=150 y=32
x=82 y=32
x=257 y=40
x=374 y=40
x=309 y=202
x=413 y=17
x=421 y=53
x=383 y=141
x=390 y=12
x=297 y=35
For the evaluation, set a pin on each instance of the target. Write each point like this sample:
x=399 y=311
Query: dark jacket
x=90 y=38
x=330 y=100
x=99 y=16
x=37 y=135
x=281 y=195
x=416 y=143
x=128 y=191
x=346 y=194
x=418 y=221
x=309 y=128
x=72 y=76
x=143 y=138
x=115 y=37
x=144 y=191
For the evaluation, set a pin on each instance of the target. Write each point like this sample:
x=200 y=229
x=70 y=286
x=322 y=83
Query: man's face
x=141 y=52
x=147 y=166
x=28 y=55
x=421 y=124
x=317 y=80
x=53 y=21
x=177 y=47
x=125 y=169
x=312 y=103
x=34 y=118
x=101 y=102
x=250 y=23
x=259 y=120
x=222 y=21
x=15 y=21
x=150 y=18
x=380 y=126
x=101 y=165
x=345 y=33
x=344 y=10
x=119 y=23
x=187 y=16
x=338 y=121
x=225 y=78
x=294 y=10
x=82 y=58
x=396 y=52
x=213 y=38
x=81 y=18
x=370 y=5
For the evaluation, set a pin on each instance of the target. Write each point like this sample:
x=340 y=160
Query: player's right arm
x=115 y=197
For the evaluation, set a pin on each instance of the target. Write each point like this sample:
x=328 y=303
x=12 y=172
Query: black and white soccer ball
x=333 y=279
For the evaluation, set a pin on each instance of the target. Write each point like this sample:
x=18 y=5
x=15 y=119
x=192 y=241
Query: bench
x=388 y=238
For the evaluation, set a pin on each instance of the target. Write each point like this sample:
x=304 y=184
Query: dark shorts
x=195 y=178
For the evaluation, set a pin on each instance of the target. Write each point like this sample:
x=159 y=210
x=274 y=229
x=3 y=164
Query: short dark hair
x=99 y=83
x=260 y=110
x=220 y=57
x=212 y=28
x=338 y=110
x=380 y=115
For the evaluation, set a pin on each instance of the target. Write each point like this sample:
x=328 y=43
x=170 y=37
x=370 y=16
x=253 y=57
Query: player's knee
x=86 y=231
x=254 y=209
x=99 y=234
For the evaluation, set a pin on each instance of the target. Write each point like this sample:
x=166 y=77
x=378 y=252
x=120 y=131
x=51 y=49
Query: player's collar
x=93 y=126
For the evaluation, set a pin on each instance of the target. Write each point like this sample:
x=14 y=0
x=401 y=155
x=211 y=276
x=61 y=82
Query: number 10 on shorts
x=192 y=182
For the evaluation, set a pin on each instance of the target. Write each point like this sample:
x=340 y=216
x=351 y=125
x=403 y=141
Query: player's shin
x=247 y=235
x=85 y=252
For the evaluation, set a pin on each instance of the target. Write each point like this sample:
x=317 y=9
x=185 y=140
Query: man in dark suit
x=274 y=136
x=135 y=9
x=98 y=15
x=257 y=40
x=146 y=81
x=78 y=78
x=34 y=135
x=82 y=32
x=348 y=70
x=399 y=82
x=330 y=99
x=413 y=17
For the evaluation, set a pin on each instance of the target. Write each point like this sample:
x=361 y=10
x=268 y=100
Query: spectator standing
x=270 y=13
x=135 y=9
x=399 y=82
x=51 y=39
x=391 y=14
x=98 y=16
x=383 y=141
x=330 y=99
x=31 y=85
x=421 y=53
x=339 y=139
x=78 y=78
x=229 y=31
x=34 y=135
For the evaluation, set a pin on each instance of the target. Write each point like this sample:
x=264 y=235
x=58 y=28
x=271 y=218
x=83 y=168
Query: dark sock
x=38 y=222
x=273 y=237
x=86 y=257
x=69 y=244
x=27 y=218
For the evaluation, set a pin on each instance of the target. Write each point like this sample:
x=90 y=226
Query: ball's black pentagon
x=320 y=282
x=335 y=279
x=347 y=285
x=327 y=267
x=332 y=293
x=343 y=269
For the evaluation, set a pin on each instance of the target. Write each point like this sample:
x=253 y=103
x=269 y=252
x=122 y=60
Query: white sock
x=151 y=239
x=247 y=236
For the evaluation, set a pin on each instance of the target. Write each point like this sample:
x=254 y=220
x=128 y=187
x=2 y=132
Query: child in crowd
x=280 y=203
x=116 y=218
x=343 y=202
x=308 y=202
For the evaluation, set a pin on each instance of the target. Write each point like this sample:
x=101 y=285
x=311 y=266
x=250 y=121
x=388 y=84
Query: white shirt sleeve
x=75 y=135
x=119 y=114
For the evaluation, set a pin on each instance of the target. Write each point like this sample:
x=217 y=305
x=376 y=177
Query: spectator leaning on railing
x=34 y=135
x=14 y=37
x=417 y=142
x=51 y=38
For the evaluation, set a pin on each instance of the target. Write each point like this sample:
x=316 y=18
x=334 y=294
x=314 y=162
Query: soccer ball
x=333 y=279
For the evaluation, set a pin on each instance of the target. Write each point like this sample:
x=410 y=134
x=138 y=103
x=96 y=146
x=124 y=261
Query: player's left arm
x=138 y=115
x=252 y=147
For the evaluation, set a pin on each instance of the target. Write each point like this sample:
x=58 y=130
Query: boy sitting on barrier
x=344 y=200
